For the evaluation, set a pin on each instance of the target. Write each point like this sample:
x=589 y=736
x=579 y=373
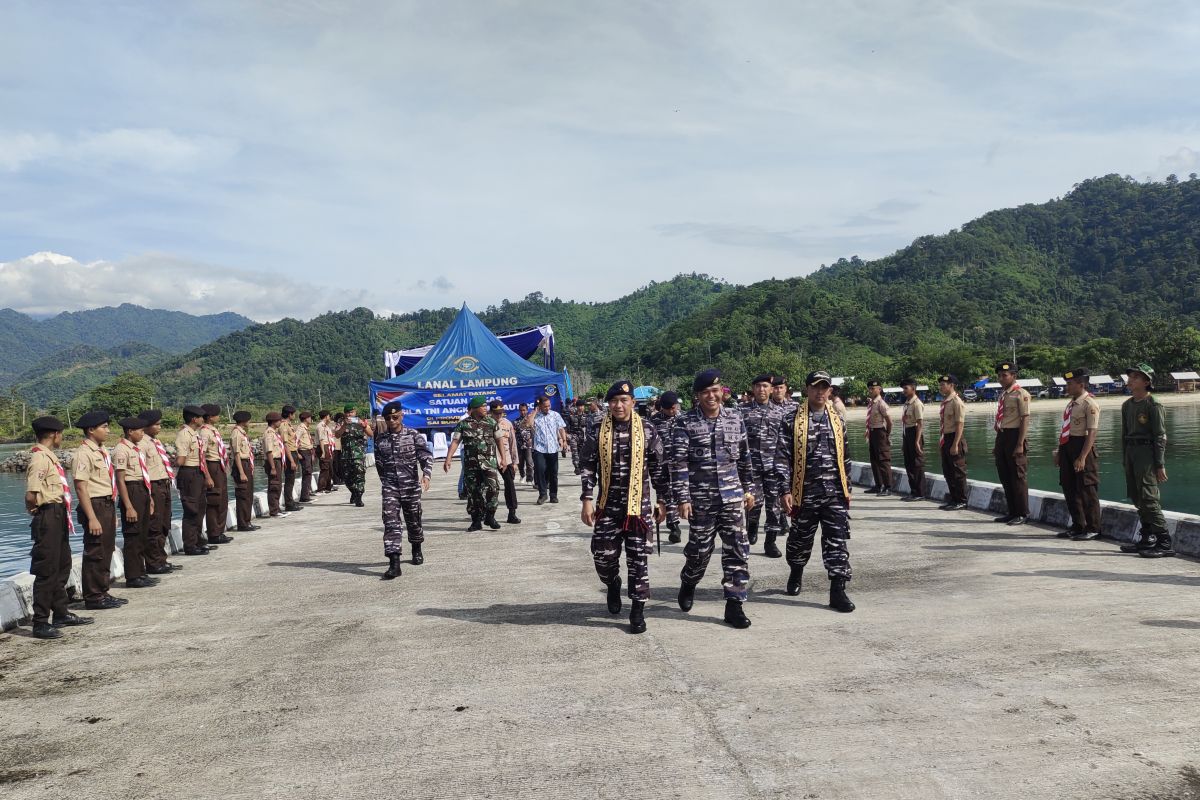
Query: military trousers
x=1141 y=484
x=306 y=473
x=158 y=532
x=573 y=440
x=133 y=534
x=880 y=446
x=50 y=561
x=98 y=550
x=710 y=519
x=274 y=486
x=954 y=468
x=776 y=520
x=354 y=470
x=243 y=495
x=401 y=509
x=216 y=501
x=914 y=461
x=1081 y=489
x=608 y=538
x=482 y=484
x=190 y=482
x=828 y=511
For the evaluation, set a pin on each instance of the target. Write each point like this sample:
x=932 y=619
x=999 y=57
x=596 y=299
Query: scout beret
x=191 y=412
x=706 y=379
x=819 y=376
x=91 y=419
x=211 y=410
x=668 y=400
x=1145 y=369
x=477 y=401
x=241 y=416
x=288 y=409
x=348 y=407
x=1076 y=375
x=395 y=405
x=948 y=379
x=617 y=389
x=47 y=425
x=272 y=416
x=133 y=423
x=779 y=380
x=151 y=415
x=874 y=383
x=764 y=378
x=908 y=382
x=1006 y=366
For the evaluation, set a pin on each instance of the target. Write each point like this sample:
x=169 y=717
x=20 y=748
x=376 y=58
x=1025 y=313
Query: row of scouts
x=1143 y=446
x=135 y=482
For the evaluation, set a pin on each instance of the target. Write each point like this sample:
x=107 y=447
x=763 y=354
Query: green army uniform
x=481 y=470
x=1143 y=453
x=354 y=458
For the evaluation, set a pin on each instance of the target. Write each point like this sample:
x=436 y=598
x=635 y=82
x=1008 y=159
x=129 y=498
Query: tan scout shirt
x=188 y=445
x=952 y=412
x=42 y=479
x=125 y=457
x=272 y=443
x=154 y=462
x=303 y=437
x=288 y=434
x=1085 y=415
x=241 y=444
x=506 y=443
x=90 y=465
x=212 y=447
x=877 y=413
x=914 y=412
x=1016 y=407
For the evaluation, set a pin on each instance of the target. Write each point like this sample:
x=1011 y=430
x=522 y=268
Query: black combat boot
x=838 y=600
x=1145 y=542
x=637 y=617
x=614 y=596
x=734 y=614
x=1162 y=548
x=44 y=630
x=513 y=519
x=752 y=531
x=687 y=594
x=770 y=550
x=795 y=581
x=476 y=524
x=358 y=500
x=676 y=535
x=490 y=521
x=417 y=556
x=393 y=570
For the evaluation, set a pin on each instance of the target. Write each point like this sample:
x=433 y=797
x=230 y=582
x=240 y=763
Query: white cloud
x=154 y=149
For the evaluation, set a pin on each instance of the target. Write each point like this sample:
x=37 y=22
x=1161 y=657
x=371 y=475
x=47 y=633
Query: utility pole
x=1013 y=344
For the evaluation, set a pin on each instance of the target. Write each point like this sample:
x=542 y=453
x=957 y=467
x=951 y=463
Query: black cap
x=779 y=380
x=241 y=416
x=1006 y=366
x=305 y=415
x=191 y=412
x=211 y=410
x=948 y=379
x=818 y=376
x=394 y=405
x=705 y=380
x=668 y=400
x=764 y=378
x=1076 y=375
x=492 y=406
x=617 y=389
x=151 y=415
x=44 y=425
x=288 y=410
x=133 y=423
x=874 y=383
x=907 y=382
x=273 y=416
x=91 y=419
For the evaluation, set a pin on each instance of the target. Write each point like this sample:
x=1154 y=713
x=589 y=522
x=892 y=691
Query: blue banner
x=443 y=408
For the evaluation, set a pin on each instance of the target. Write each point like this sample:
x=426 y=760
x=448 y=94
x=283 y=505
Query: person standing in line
x=291 y=458
x=304 y=449
x=913 y=447
x=1011 y=450
x=324 y=453
x=549 y=438
x=96 y=489
x=243 y=472
x=507 y=452
x=338 y=467
x=352 y=433
x=192 y=480
x=48 y=501
x=1075 y=457
x=1144 y=458
x=781 y=394
x=524 y=429
x=762 y=418
x=405 y=464
x=478 y=435
x=216 y=458
x=952 y=445
x=136 y=502
x=879 y=437
x=162 y=475
x=273 y=454
x=836 y=403
x=663 y=421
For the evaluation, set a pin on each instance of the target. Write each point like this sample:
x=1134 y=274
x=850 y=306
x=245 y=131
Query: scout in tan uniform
x=1075 y=457
x=48 y=500
x=273 y=455
x=242 y=470
x=162 y=473
x=137 y=505
x=304 y=449
x=879 y=437
x=96 y=488
x=216 y=458
x=325 y=442
x=913 y=420
x=951 y=443
x=1011 y=451
x=339 y=478
x=192 y=480
x=291 y=458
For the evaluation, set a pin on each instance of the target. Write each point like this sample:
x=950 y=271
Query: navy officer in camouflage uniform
x=404 y=463
x=478 y=434
x=663 y=421
x=812 y=475
x=713 y=482
x=762 y=418
x=624 y=455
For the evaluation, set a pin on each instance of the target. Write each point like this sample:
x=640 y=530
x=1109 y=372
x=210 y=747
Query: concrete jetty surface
x=983 y=662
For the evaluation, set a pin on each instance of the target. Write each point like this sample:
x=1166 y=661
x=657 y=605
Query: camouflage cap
x=1145 y=369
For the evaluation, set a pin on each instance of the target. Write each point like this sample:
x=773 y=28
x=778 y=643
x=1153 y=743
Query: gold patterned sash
x=637 y=460
x=800 y=451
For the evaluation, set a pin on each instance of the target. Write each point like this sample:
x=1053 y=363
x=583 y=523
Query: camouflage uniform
x=663 y=426
x=524 y=449
x=762 y=432
x=612 y=525
x=402 y=459
x=824 y=501
x=574 y=422
x=354 y=457
x=711 y=469
x=481 y=470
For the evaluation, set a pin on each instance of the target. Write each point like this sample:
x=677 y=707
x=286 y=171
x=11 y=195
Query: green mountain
x=76 y=370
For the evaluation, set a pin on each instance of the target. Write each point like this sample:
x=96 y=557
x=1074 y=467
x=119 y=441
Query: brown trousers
x=51 y=561
x=914 y=462
x=216 y=501
x=881 y=457
x=243 y=493
x=954 y=467
x=1082 y=489
x=274 y=486
x=190 y=481
x=159 y=530
x=325 y=475
x=1012 y=471
x=133 y=534
x=306 y=471
x=98 y=550
x=289 y=480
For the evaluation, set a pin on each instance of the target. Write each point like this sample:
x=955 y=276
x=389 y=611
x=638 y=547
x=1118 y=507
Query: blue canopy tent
x=525 y=343
x=468 y=360
x=645 y=392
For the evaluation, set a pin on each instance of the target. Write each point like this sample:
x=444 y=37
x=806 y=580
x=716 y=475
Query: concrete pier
x=983 y=662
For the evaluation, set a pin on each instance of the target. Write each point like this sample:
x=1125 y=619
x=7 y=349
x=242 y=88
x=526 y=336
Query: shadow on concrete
x=973 y=535
x=586 y=615
x=332 y=566
x=1002 y=548
x=1097 y=575
x=1186 y=624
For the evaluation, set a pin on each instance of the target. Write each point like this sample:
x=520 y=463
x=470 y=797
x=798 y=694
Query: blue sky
x=287 y=158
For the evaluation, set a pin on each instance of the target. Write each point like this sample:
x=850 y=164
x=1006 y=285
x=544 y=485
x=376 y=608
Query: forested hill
x=1062 y=278
x=332 y=357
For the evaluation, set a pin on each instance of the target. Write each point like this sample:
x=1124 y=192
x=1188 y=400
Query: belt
x=1140 y=441
x=162 y=480
x=105 y=499
x=45 y=506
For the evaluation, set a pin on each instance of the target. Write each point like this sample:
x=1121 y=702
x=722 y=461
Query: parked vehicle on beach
x=970 y=395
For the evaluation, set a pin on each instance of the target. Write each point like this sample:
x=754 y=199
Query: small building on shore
x=1185 y=381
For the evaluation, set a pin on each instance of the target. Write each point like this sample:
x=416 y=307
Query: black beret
x=818 y=376
x=91 y=419
x=191 y=412
x=948 y=379
x=395 y=405
x=47 y=425
x=1006 y=366
x=241 y=416
x=617 y=389
x=151 y=415
x=211 y=410
x=492 y=406
x=323 y=413
x=133 y=423
x=1076 y=375
x=908 y=382
x=874 y=383
x=764 y=378
x=779 y=380
x=273 y=416
x=706 y=379
x=288 y=409
x=668 y=400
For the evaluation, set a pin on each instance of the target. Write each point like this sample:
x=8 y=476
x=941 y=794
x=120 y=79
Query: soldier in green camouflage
x=478 y=433
x=353 y=433
x=1144 y=452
